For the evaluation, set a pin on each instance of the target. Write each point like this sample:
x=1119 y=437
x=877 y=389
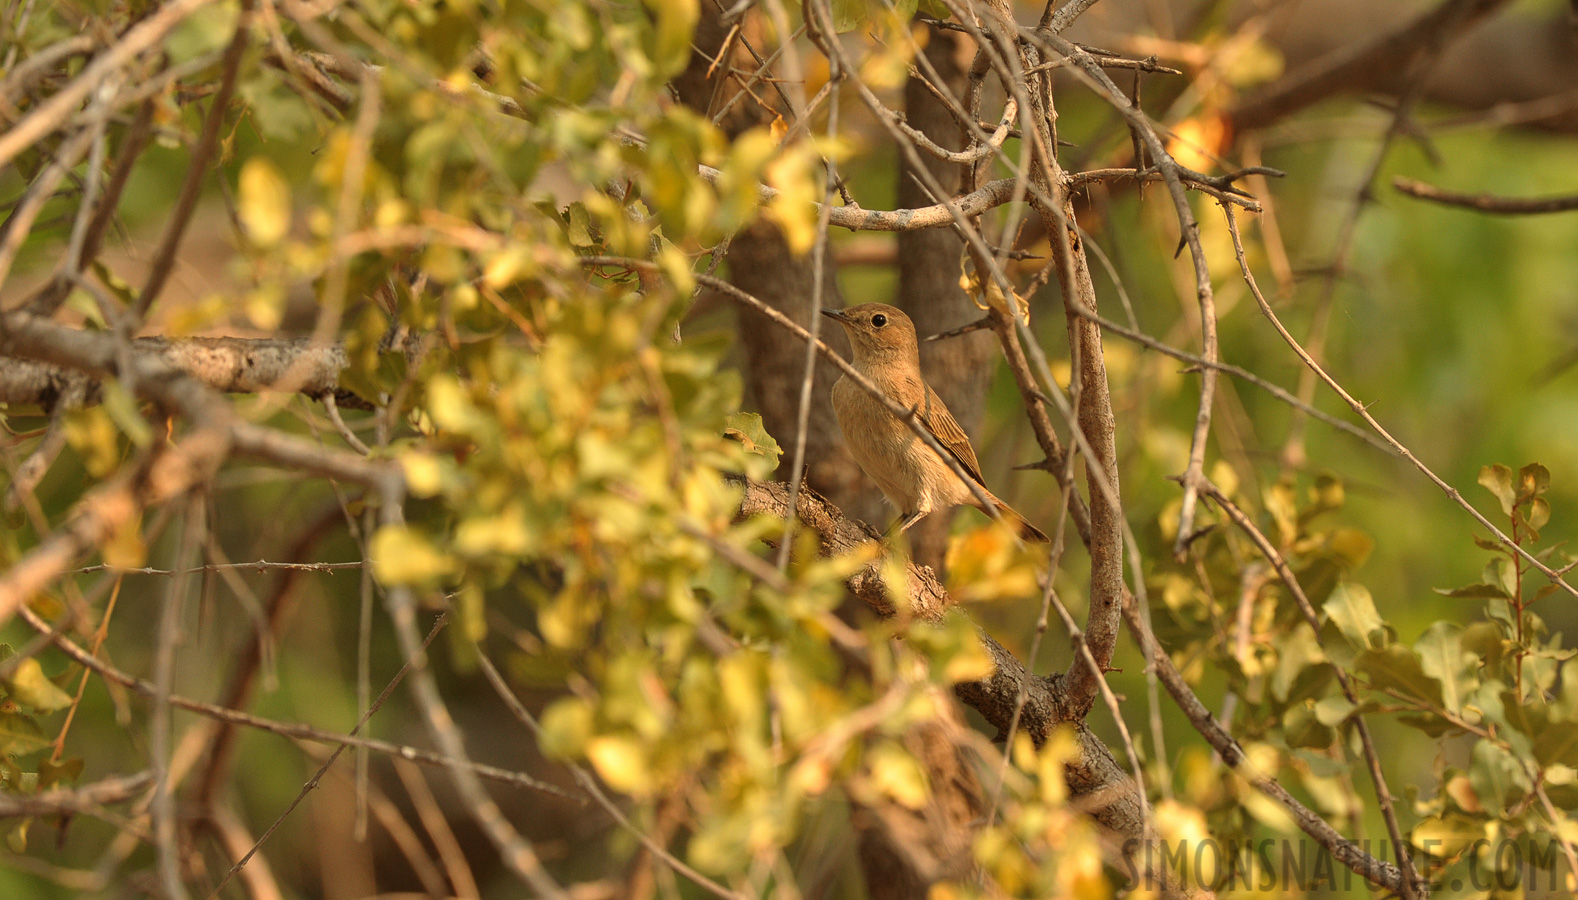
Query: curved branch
x=1486 y=203
x=273 y=726
x=1096 y=774
x=49 y=115
x=1358 y=68
x=1351 y=855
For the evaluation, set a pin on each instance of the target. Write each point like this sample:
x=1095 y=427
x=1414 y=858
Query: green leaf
x=29 y=687
x=848 y=14
x=122 y=407
x=1498 y=480
x=20 y=735
x=203 y=31
x=1302 y=727
x=402 y=555
x=1474 y=591
x=1484 y=640
x=51 y=774
x=1538 y=513
x=1557 y=742
x=1353 y=611
x=1497 y=776
x=1488 y=544
x=1533 y=480
x=1501 y=572
x=1334 y=711
x=676 y=22
x=1442 y=657
x=1301 y=665
x=1398 y=668
x=747 y=428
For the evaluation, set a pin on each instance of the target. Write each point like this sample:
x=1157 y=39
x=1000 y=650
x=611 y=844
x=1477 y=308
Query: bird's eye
x=878 y=320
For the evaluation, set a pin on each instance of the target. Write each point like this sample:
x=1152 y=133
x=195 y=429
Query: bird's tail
x=1021 y=524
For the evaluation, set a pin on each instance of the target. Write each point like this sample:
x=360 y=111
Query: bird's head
x=878 y=332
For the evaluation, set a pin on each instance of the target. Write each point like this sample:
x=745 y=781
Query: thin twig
x=1486 y=203
x=1363 y=413
x=593 y=790
x=1383 y=793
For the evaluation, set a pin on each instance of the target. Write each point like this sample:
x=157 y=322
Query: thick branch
x=101 y=355
x=231 y=365
x=1095 y=775
x=1357 y=68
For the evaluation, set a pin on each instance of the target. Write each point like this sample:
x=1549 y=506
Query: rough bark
x=761 y=263
x=903 y=852
x=232 y=365
x=1095 y=776
x=959 y=369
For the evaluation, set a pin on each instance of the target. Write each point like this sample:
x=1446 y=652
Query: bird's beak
x=836 y=314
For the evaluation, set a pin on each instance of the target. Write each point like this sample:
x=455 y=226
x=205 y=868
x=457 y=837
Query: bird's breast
x=909 y=473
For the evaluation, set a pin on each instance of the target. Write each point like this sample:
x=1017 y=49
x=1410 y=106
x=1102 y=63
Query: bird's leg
x=899 y=526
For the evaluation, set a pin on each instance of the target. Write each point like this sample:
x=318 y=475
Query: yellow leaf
x=504 y=534
x=507 y=266
x=1176 y=822
x=566 y=728
x=403 y=556
x=1255 y=63
x=897 y=775
x=424 y=475
x=811 y=775
x=125 y=549
x=94 y=436
x=265 y=307
x=29 y=687
x=987 y=293
x=620 y=761
x=263 y=202
x=990 y=563
x=793 y=208
x=1197 y=143
x=1223 y=476
x=971 y=663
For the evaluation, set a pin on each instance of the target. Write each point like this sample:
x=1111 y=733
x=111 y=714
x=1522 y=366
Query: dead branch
x=1486 y=203
x=230 y=365
x=1356 y=68
x=1097 y=774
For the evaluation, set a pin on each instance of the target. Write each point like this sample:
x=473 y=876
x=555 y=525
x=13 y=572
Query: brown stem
x=1486 y=203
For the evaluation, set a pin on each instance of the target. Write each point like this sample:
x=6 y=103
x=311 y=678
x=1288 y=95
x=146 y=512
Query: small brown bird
x=911 y=474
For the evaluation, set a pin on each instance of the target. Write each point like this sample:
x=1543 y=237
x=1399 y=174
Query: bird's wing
x=940 y=422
